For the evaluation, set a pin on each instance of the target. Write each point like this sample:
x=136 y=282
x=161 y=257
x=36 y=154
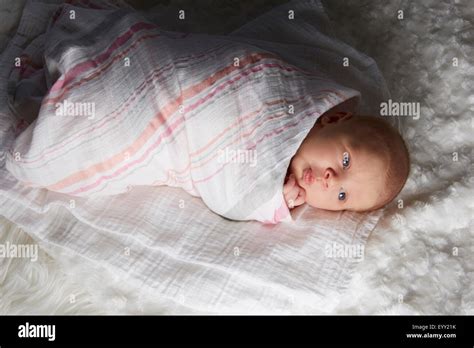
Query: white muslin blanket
x=168 y=108
x=132 y=104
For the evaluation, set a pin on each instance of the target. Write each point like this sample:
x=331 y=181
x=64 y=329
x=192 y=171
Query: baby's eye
x=342 y=195
x=345 y=160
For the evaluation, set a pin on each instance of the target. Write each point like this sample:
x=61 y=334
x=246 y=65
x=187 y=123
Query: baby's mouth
x=308 y=176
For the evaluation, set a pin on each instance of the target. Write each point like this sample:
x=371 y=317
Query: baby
x=347 y=162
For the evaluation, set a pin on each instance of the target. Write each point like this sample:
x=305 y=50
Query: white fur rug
x=419 y=259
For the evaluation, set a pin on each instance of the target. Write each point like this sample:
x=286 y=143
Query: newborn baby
x=347 y=162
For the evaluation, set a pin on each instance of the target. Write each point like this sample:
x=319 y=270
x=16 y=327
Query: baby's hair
x=384 y=140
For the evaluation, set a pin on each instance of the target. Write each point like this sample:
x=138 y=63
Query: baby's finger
x=293 y=192
x=289 y=185
x=292 y=196
x=300 y=199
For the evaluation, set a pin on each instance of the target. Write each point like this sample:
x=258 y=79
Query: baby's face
x=336 y=171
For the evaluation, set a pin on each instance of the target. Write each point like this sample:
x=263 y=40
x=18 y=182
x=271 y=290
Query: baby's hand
x=294 y=195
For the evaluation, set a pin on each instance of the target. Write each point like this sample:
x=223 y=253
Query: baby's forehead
x=366 y=159
x=362 y=140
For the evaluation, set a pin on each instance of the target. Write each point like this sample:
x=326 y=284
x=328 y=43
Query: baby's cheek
x=302 y=194
x=315 y=199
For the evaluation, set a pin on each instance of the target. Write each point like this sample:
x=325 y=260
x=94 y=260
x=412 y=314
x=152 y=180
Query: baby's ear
x=335 y=118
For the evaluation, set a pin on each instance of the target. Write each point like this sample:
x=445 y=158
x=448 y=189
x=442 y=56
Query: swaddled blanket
x=184 y=253
x=130 y=104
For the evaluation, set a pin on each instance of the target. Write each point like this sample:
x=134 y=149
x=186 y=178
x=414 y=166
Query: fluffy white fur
x=419 y=259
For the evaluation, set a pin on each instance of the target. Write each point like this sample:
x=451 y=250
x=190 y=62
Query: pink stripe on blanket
x=121 y=111
x=168 y=132
x=156 y=122
x=268 y=135
x=143 y=157
x=54 y=100
x=184 y=172
x=233 y=125
x=173 y=127
x=84 y=66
